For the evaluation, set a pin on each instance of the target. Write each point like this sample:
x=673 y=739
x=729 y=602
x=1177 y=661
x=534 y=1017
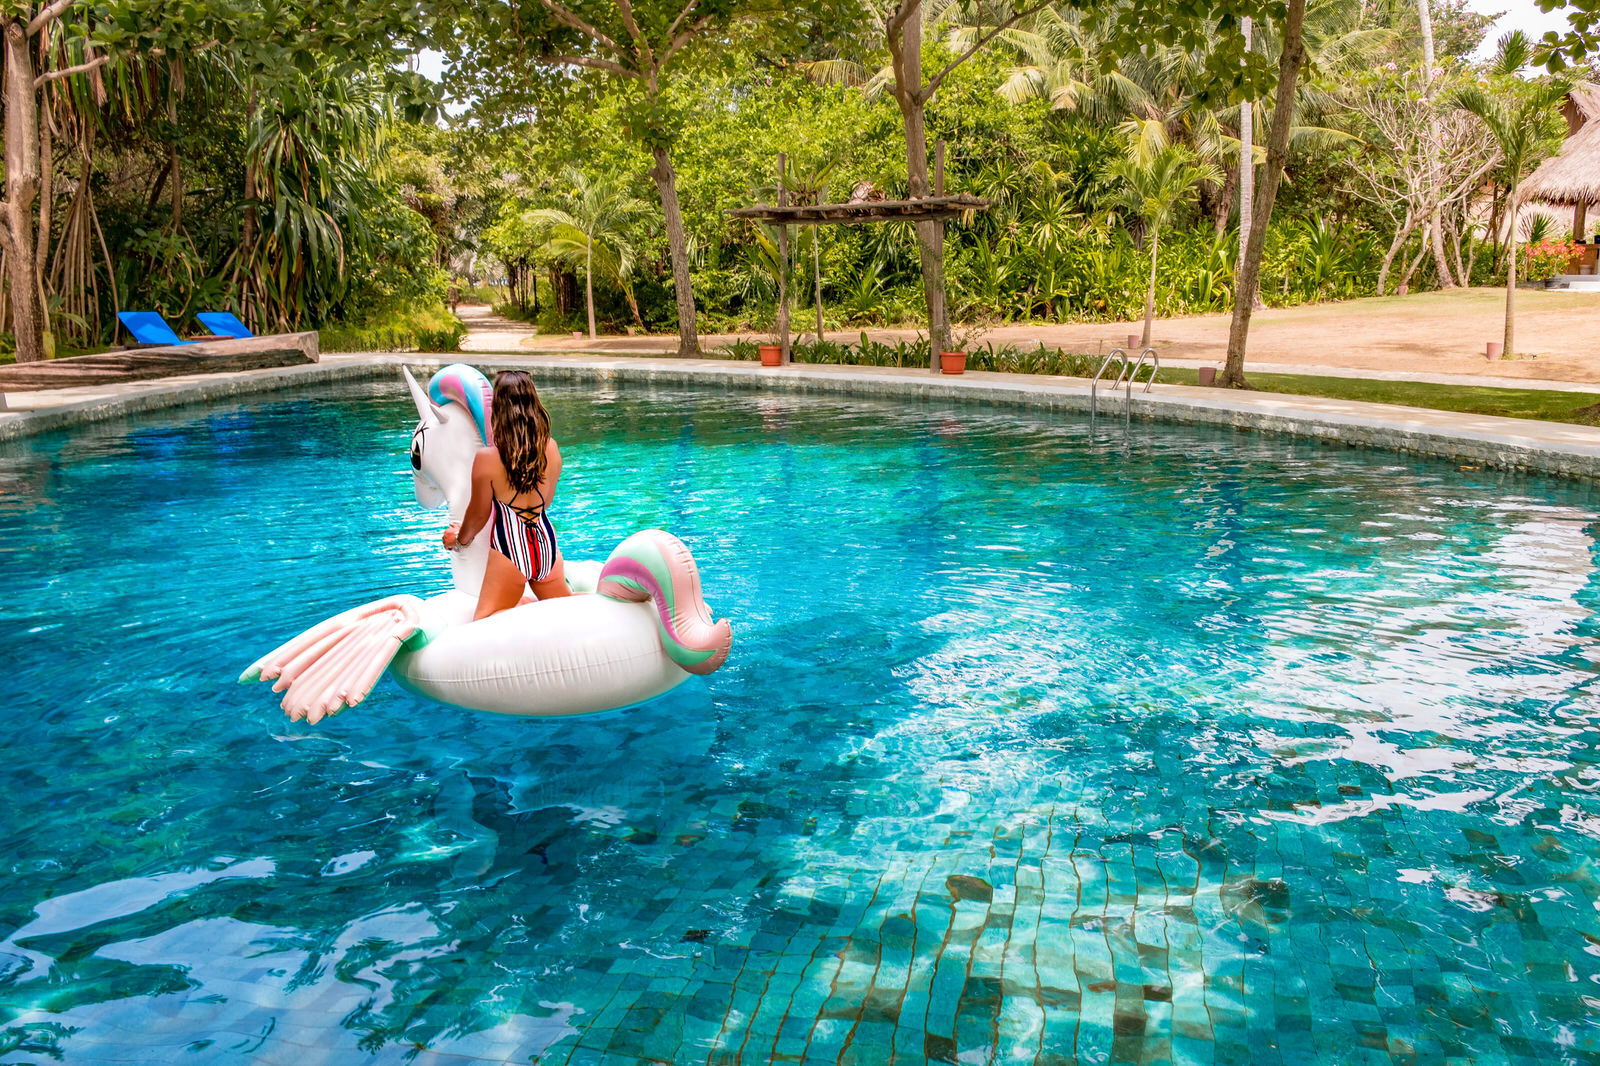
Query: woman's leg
x=502 y=586
x=554 y=586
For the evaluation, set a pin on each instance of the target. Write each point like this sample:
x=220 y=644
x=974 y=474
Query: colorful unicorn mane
x=465 y=385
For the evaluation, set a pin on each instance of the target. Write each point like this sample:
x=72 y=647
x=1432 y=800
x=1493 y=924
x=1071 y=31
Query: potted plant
x=963 y=340
x=771 y=354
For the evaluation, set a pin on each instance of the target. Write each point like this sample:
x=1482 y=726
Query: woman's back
x=535 y=500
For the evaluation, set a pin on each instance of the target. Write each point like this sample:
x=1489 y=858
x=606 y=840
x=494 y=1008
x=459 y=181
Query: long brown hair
x=521 y=429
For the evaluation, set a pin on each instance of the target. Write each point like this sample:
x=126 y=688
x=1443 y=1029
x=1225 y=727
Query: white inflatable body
x=636 y=628
x=590 y=653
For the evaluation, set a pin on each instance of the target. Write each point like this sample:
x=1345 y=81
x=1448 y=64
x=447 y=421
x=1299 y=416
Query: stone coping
x=1509 y=443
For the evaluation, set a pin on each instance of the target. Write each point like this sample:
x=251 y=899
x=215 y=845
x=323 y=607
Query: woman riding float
x=640 y=629
x=513 y=484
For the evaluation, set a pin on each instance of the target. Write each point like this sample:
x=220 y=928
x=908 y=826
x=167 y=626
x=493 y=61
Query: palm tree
x=1156 y=175
x=809 y=187
x=1524 y=119
x=596 y=227
x=1065 y=59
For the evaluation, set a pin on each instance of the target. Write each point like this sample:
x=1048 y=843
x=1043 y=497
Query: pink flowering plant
x=1546 y=258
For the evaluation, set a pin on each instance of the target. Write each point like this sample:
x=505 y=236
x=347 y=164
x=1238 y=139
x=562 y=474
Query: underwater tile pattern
x=1038 y=745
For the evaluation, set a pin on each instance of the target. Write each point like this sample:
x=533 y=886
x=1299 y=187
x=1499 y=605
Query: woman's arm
x=552 y=472
x=477 y=514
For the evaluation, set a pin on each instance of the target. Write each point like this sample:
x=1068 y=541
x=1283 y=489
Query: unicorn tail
x=654 y=565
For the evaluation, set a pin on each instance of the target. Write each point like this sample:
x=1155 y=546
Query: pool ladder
x=1127 y=376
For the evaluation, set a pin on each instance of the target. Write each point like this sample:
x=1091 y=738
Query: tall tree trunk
x=816 y=273
x=785 y=353
x=1150 y=293
x=1401 y=235
x=633 y=305
x=667 y=184
x=1508 y=351
x=175 y=166
x=22 y=187
x=41 y=248
x=930 y=235
x=1405 y=278
x=588 y=283
x=1247 y=157
x=1290 y=62
x=249 y=298
x=1222 y=207
x=1436 y=212
x=1247 y=165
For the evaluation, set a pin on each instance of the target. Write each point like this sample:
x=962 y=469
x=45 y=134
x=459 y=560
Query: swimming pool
x=1036 y=746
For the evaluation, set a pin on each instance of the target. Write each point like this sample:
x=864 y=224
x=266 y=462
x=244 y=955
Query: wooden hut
x=1572 y=176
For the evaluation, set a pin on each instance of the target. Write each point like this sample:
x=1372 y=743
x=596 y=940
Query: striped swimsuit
x=525 y=536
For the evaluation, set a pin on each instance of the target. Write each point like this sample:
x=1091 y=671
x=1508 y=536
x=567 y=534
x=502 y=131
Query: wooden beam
x=938 y=167
x=870 y=211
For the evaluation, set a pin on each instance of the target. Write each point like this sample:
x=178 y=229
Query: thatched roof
x=1572 y=176
x=1585 y=97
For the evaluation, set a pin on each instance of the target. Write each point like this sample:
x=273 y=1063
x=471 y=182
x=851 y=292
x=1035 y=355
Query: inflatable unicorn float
x=643 y=629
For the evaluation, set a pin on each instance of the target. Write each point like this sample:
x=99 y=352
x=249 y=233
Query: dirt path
x=1429 y=333
x=488 y=332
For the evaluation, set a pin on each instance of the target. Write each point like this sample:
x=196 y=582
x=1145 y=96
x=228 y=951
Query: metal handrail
x=1127 y=375
x=1094 y=382
x=1155 y=368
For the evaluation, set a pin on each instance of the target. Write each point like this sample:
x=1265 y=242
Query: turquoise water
x=1180 y=747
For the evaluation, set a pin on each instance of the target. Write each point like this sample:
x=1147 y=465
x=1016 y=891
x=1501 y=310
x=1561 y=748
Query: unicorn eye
x=416 y=454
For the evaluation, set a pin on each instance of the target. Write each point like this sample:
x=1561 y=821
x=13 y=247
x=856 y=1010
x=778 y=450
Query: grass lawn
x=1547 y=405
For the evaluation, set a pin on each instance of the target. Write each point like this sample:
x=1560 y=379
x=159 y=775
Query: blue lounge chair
x=150 y=328
x=224 y=324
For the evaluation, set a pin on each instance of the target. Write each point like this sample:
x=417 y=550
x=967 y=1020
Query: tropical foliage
x=1546 y=259
x=302 y=178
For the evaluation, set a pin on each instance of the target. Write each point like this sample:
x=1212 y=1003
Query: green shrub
x=1547 y=258
x=417 y=329
x=445 y=339
x=1007 y=358
x=481 y=294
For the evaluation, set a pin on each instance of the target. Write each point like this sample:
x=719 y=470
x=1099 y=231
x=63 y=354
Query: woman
x=513 y=484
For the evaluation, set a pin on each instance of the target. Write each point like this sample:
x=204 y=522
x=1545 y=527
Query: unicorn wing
x=334 y=665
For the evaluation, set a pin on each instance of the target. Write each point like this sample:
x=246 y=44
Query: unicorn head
x=452 y=424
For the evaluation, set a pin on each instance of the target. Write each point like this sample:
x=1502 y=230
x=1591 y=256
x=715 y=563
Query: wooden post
x=938 y=338
x=1580 y=220
x=783 y=262
x=816 y=272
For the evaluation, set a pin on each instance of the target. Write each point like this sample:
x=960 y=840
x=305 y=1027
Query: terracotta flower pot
x=771 y=354
x=1133 y=340
x=1493 y=349
x=1208 y=375
x=578 y=334
x=953 y=362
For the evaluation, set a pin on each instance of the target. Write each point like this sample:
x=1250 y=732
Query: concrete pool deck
x=1508 y=443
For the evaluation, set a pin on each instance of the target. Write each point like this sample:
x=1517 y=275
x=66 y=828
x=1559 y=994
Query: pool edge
x=1506 y=443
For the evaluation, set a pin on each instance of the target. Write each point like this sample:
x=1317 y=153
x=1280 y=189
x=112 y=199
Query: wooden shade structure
x=863 y=212
x=935 y=208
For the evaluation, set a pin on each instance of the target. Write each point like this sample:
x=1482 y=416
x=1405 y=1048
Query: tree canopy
x=307 y=176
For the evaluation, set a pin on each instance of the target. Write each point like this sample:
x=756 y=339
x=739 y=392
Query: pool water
x=1036 y=746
